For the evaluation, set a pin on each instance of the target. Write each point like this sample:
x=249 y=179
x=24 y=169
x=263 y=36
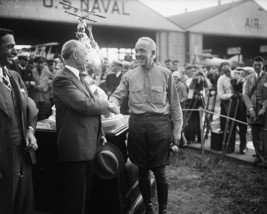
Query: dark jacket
x=78 y=118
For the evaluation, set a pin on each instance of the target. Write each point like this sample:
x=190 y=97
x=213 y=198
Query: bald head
x=152 y=45
x=69 y=47
x=75 y=54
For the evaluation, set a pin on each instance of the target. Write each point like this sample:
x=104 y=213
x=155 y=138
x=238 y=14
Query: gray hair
x=150 y=41
x=68 y=48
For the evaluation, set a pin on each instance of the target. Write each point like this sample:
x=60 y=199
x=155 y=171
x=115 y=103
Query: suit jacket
x=28 y=118
x=78 y=118
x=112 y=81
x=250 y=101
x=28 y=111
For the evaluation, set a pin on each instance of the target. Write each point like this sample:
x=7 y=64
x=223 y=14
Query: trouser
x=78 y=187
x=240 y=115
x=16 y=187
x=23 y=196
x=259 y=139
x=192 y=128
x=162 y=187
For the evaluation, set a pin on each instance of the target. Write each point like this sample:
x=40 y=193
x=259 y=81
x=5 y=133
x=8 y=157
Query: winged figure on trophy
x=94 y=56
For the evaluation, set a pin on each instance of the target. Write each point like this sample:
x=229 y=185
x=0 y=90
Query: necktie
x=6 y=80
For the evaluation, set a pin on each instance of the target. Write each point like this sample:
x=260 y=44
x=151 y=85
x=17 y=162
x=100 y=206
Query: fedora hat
x=108 y=162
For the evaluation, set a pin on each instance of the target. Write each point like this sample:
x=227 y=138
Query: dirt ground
x=209 y=185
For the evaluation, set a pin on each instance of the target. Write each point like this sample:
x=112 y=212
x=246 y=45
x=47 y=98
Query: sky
x=173 y=7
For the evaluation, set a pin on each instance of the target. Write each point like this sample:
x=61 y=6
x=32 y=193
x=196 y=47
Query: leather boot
x=162 y=191
x=145 y=189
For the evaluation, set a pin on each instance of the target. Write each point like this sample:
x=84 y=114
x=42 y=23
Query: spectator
x=24 y=67
x=17 y=145
x=51 y=64
x=255 y=96
x=105 y=71
x=176 y=65
x=113 y=79
x=21 y=63
x=78 y=127
x=41 y=76
x=229 y=88
x=154 y=106
x=196 y=83
x=168 y=64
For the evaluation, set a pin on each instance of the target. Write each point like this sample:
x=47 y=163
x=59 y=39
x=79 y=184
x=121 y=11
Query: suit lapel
x=76 y=81
x=3 y=106
x=21 y=100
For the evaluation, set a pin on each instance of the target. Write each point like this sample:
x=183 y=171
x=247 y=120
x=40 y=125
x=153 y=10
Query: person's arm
x=190 y=83
x=69 y=94
x=207 y=83
x=32 y=112
x=246 y=93
x=121 y=91
x=176 y=111
x=184 y=93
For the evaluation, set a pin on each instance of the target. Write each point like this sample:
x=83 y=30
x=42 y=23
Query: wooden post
x=201 y=129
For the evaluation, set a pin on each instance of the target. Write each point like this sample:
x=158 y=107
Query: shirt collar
x=118 y=74
x=149 y=67
x=75 y=71
x=261 y=73
x=22 y=68
x=1 y=71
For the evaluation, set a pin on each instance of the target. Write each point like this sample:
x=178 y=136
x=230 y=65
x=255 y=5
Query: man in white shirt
x=227 y=90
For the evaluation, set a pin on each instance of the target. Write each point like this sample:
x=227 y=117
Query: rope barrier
x=210 y=112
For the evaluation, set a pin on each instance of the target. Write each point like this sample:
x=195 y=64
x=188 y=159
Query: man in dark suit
x=78 y=121
x=17 y=141
x=24 y=68
x=113 y=79
x=255 y=98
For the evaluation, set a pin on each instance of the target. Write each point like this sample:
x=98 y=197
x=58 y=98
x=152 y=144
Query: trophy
x=85 y=35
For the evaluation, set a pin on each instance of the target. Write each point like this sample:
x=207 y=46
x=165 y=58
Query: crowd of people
x=242 y=97
x=154 y=96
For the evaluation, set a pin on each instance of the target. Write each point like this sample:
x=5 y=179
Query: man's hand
x=252 y=113
x=103 y=140
x=262 y=111
x=112 y=107
x=234 y=96
x=31 y=142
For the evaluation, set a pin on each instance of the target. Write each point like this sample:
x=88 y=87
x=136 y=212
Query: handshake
x=112 y=107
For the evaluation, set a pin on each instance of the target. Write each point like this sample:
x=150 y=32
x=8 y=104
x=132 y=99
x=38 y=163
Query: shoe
x=229 y=152
x=257 y=162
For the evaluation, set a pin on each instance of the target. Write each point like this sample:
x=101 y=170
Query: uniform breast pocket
x=158 y=95
x=137 y=95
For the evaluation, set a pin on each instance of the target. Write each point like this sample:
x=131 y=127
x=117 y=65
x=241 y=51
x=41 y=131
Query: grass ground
x=209 y=184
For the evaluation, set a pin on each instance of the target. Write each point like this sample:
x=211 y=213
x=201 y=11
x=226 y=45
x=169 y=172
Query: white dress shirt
x=75 y=71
